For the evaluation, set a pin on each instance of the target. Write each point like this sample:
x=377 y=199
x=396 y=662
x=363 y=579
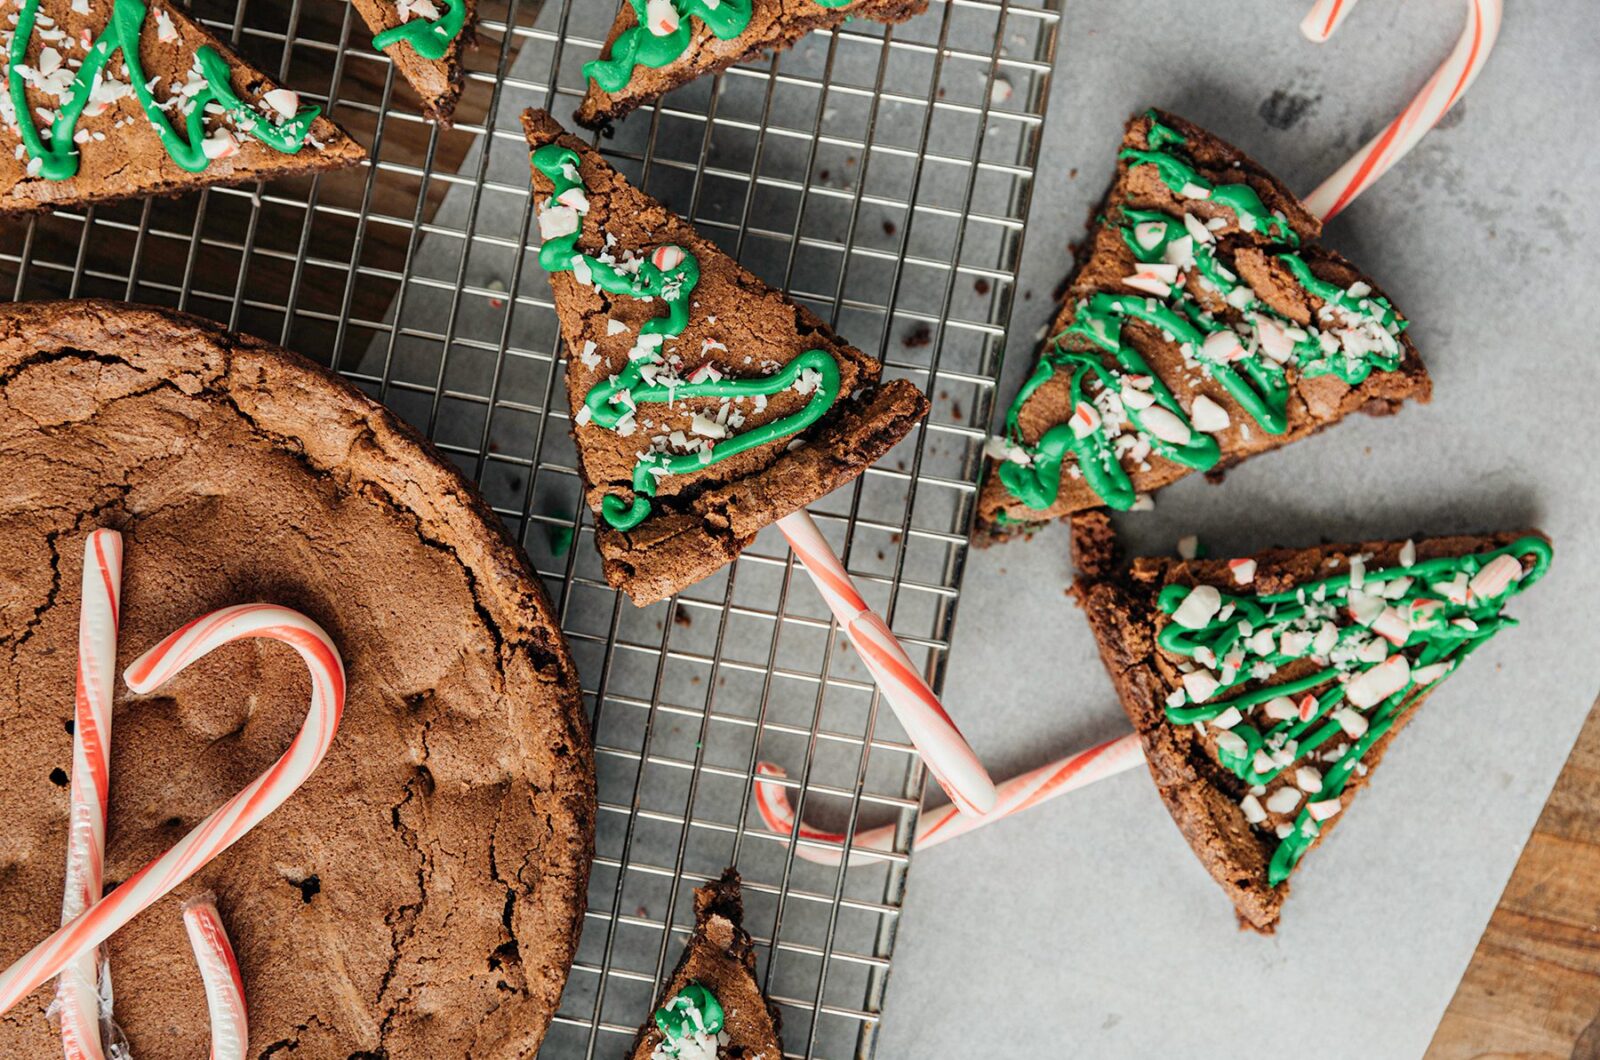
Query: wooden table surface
x=1532 y=990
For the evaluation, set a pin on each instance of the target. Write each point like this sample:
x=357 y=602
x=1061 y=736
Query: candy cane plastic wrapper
x=1443 y=89
x=944 y=750
x=84 y=1005
x=219 y=971
x=1017 y=794
x=1325 y=17
x=234 y=818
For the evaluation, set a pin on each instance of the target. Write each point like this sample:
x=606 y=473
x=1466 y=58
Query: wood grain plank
x=1532 y=991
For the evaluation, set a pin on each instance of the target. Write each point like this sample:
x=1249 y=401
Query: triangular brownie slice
x=712 y=1008
x=425 y=38
x=1266 y=689
x=705 y=404
x=657 y=45
x=115 y=99
x=1204 y=325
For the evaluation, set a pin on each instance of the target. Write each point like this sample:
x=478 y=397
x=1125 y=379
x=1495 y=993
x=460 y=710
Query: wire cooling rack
x=882 y=177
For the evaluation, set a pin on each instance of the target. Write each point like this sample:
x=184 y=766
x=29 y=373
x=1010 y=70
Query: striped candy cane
x=1325 y=17
x=84 y=1008
x=1444 y=88
x=946 y=753
x=229 y=822
x=219 y=971
x=1015 y=795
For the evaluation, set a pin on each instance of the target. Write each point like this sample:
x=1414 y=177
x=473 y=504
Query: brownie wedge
x=705 y=404
x=425 y=38
x=656 y=45
x=712 y=1008
x=1203 y=325
x=1265 y=689
x=119 y=99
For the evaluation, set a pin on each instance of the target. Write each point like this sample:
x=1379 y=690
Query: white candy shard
x=1200 y=684
x=1321 y=811
x=1252 y=809
x=1223 y=346
x=1243 y=570
x=1207 y=415
x=1085 y=420
x=1284 y=800
x=1165 y=426
x=285 y=102
x=557 y=221
x=1379 y=683
x=1198 y=608
x=1495 y=578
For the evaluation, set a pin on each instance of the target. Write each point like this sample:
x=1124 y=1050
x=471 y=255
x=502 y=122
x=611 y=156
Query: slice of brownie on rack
x=712 y=1008
x=1266 y=689
x=657 y=45
x=705 y=404
x=1203 y=325
x=425 y=38
x=116 y=99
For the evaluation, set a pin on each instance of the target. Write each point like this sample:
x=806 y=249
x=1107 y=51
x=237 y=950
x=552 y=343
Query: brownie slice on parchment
x=125 y=99
x=705 y=404
x=1204 y=325
x=1265 y=689
x=712 y=1007
x=425 y=38
x=657 y=45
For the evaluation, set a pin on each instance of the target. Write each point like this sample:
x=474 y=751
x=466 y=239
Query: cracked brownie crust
x=702 y=520
x=421 y=895
x=773 y=24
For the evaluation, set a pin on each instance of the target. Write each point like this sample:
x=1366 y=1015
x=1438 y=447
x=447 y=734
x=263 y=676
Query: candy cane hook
x=229 y=822
x=1447 y=85
x=934 y=827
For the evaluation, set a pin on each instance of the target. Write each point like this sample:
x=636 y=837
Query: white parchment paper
x=1086 y=927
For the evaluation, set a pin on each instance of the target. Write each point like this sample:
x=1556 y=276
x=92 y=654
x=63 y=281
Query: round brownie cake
x=421 y=895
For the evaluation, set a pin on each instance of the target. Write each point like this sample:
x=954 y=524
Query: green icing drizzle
x=612 y=402
x=641 y=46
x=1252 y=370
x=429 y=38
x=693 y=1012
x=1428 y=604
x=58 y=160
x=1184 y=179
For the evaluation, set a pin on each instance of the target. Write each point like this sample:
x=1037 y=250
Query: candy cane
x=944 y=750
x=1325 y=17
x=219 y=971
x=1015 y=795
x=79 y=998
x=229 y=822
x=1443 y=89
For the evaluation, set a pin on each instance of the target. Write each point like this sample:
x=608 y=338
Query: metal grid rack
x=882 y=177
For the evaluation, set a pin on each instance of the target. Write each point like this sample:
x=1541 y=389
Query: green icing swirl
x=693 y=1012
x=612 y=401
x=429 y=38
x=59 y=159
x=1445 y=624
x=1257 y=382
x=639 y=46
